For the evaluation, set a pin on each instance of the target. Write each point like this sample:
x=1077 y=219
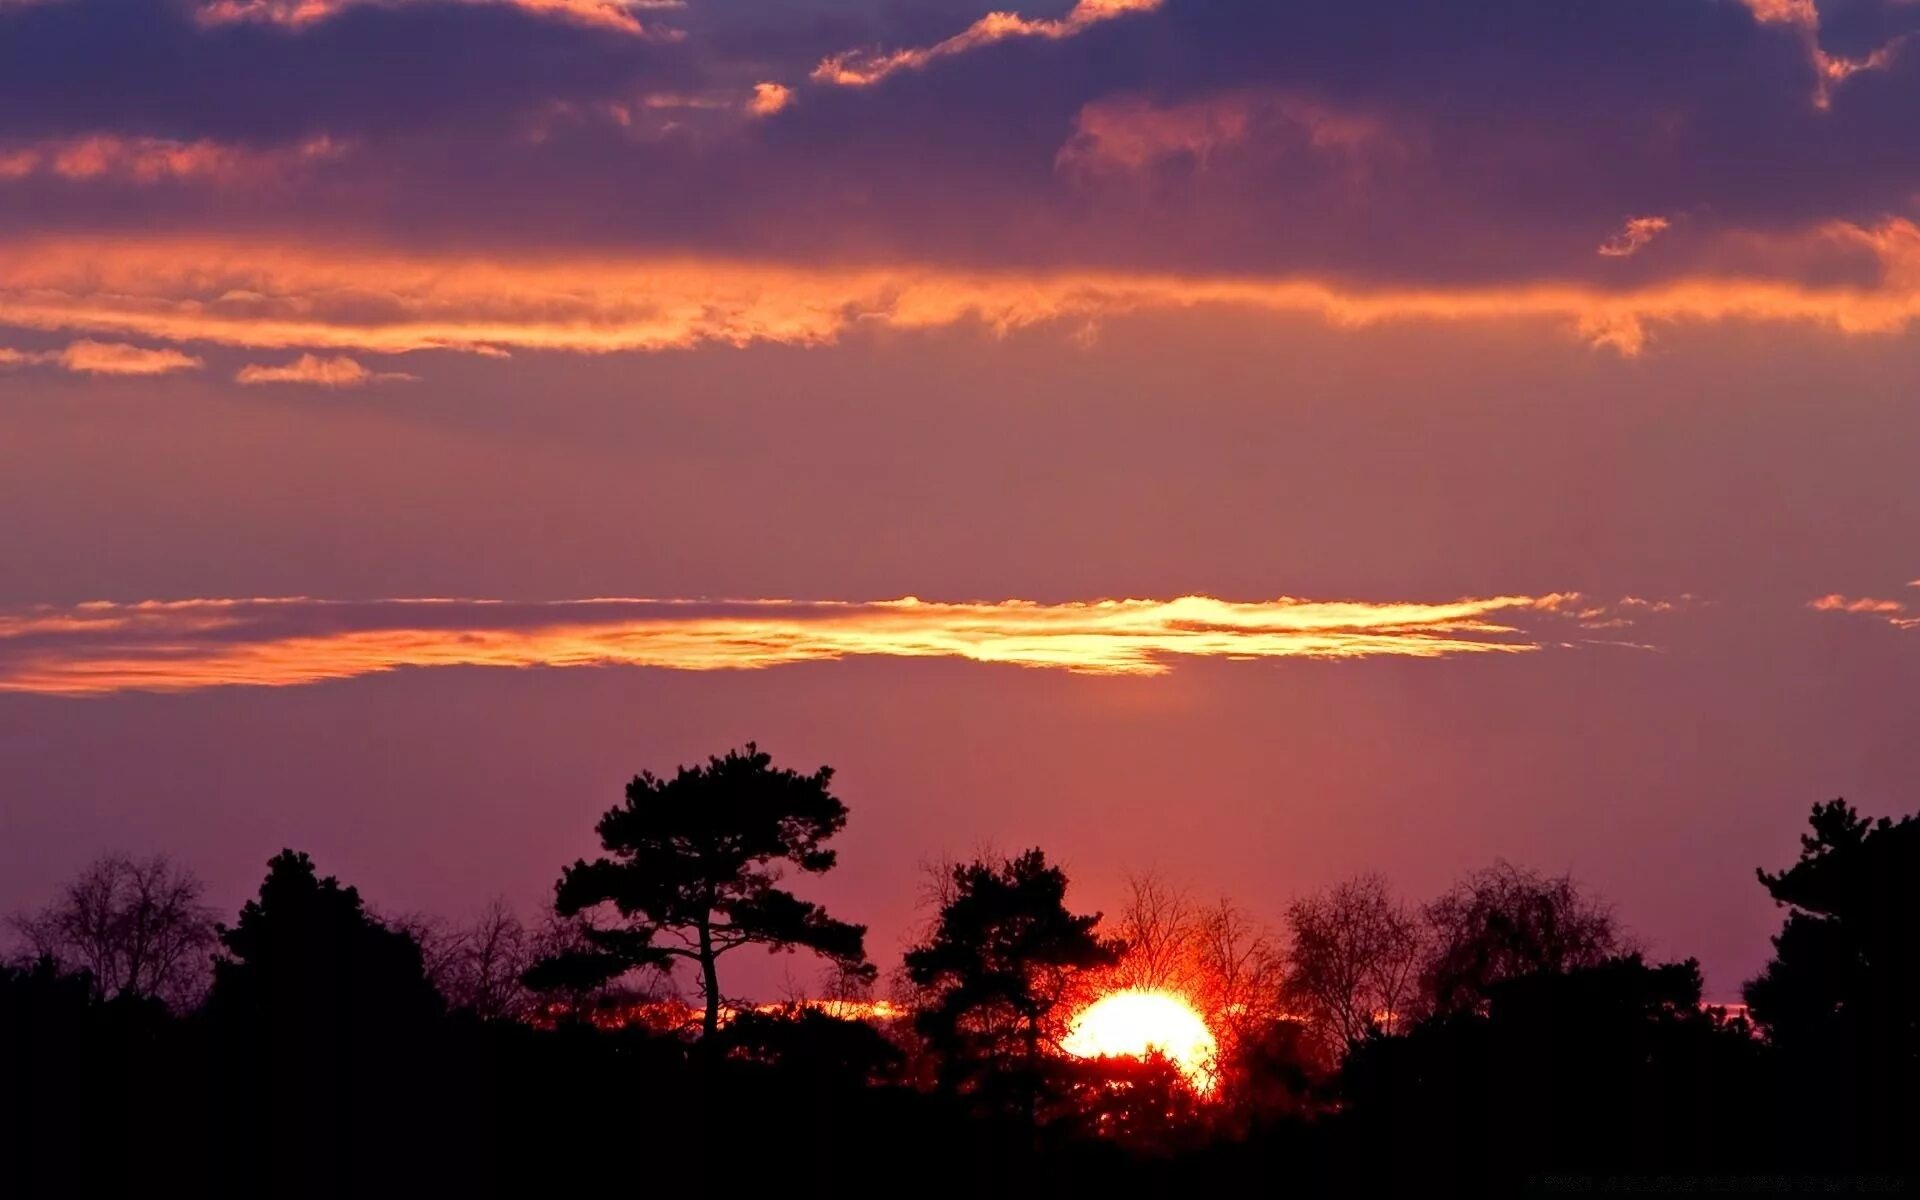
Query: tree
x=478 y=967
x=694 y=865
x=1841 y=999
x=136 y=926
x=1161 y=931
x=1608 y=1067
x=1504 y=922
x=1354 y=962
x=306 y=950
x=324 y=1029
x=998 y=969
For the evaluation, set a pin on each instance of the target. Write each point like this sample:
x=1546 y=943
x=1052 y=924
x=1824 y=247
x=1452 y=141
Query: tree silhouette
x=135 y=925
x=1841 y=998
x=307 y=950
x=1613 y=1066
x=998 y=968
x=323 y=1024
x=1354 y=962
x=1504 y=922
x=694 y=865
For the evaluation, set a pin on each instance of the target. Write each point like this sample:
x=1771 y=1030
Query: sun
x=1134 y=1022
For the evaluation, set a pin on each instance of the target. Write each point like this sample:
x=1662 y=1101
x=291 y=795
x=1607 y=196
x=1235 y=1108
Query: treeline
x=1505 y=1036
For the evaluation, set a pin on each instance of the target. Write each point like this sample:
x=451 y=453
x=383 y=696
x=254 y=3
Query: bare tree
x=137 y=926
x=441 y=943
x=1159 y=928
x=1355 y=961
x=498 y=951
x=1506 y=921
x=477 y=967
x=1243 y=970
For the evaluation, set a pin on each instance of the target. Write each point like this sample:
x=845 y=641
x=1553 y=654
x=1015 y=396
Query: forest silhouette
x=1506 y=1037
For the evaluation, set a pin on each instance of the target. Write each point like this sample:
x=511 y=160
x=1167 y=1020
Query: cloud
x=171 y=646
x=1374 y=147
x=1634 y=235
x=146 y=160
x=1893 y=612
x=620 y=15
x=1135 y=133
x=365 y=73
x=261 y=296
x=769 y=98
x=88 y=357
x=336 y=372
x=1830 y=70
x=116 y=358
x=862 y=68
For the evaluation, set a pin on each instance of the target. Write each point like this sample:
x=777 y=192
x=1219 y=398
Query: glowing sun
x=1135 y=1022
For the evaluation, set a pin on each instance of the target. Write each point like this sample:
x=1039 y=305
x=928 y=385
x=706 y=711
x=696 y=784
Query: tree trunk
x=710 y=982
x=1033 y=1074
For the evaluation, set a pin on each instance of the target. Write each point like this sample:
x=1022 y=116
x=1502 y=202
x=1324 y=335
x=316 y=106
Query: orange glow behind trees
x=1136 y=1023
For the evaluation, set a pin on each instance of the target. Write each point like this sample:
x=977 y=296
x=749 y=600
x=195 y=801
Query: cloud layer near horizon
x=272 y=296
x=172 y=646
x=1611 y=167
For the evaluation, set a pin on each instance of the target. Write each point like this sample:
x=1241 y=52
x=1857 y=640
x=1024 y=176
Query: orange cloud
x=769 y=98
x=1893 y=612
x=1636 y=233
x=104 y=358
x=171 y=646
x=1829 y=69
x=860 y=68
x=618 y=15
x=268 y=296
x=117 y=358
x=336 y=372
x=142 y=160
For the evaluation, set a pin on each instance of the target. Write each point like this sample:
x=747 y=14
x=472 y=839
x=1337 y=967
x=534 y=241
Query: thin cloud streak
x=113 y=158
x=269 y=296
x=618 y=15
x=314 y=371
x=88 y=357
x=176 y=646
x=863 y=68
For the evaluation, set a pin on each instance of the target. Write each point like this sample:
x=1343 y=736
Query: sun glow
x=1134 y=1023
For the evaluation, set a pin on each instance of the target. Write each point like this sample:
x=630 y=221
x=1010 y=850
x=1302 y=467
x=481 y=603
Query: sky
x=1251 y=442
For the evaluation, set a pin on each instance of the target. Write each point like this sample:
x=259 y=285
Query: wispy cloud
x=1633 y=236
x=171 y=646
x=1135 y=133
x=86 y=357
x=118 y=358
x=621 y=15
x=313 y=370
x=107 y=157
x=860 y=68
x=1830 y=70
x=1896 y=613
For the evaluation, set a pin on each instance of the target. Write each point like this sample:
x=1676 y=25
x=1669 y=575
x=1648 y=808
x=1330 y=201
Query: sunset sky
x=1257 y=440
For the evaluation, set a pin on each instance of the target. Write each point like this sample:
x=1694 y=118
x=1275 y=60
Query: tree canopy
x=693 y=868
x=997 y=969
x=1841 y=998
x=1504 y=922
